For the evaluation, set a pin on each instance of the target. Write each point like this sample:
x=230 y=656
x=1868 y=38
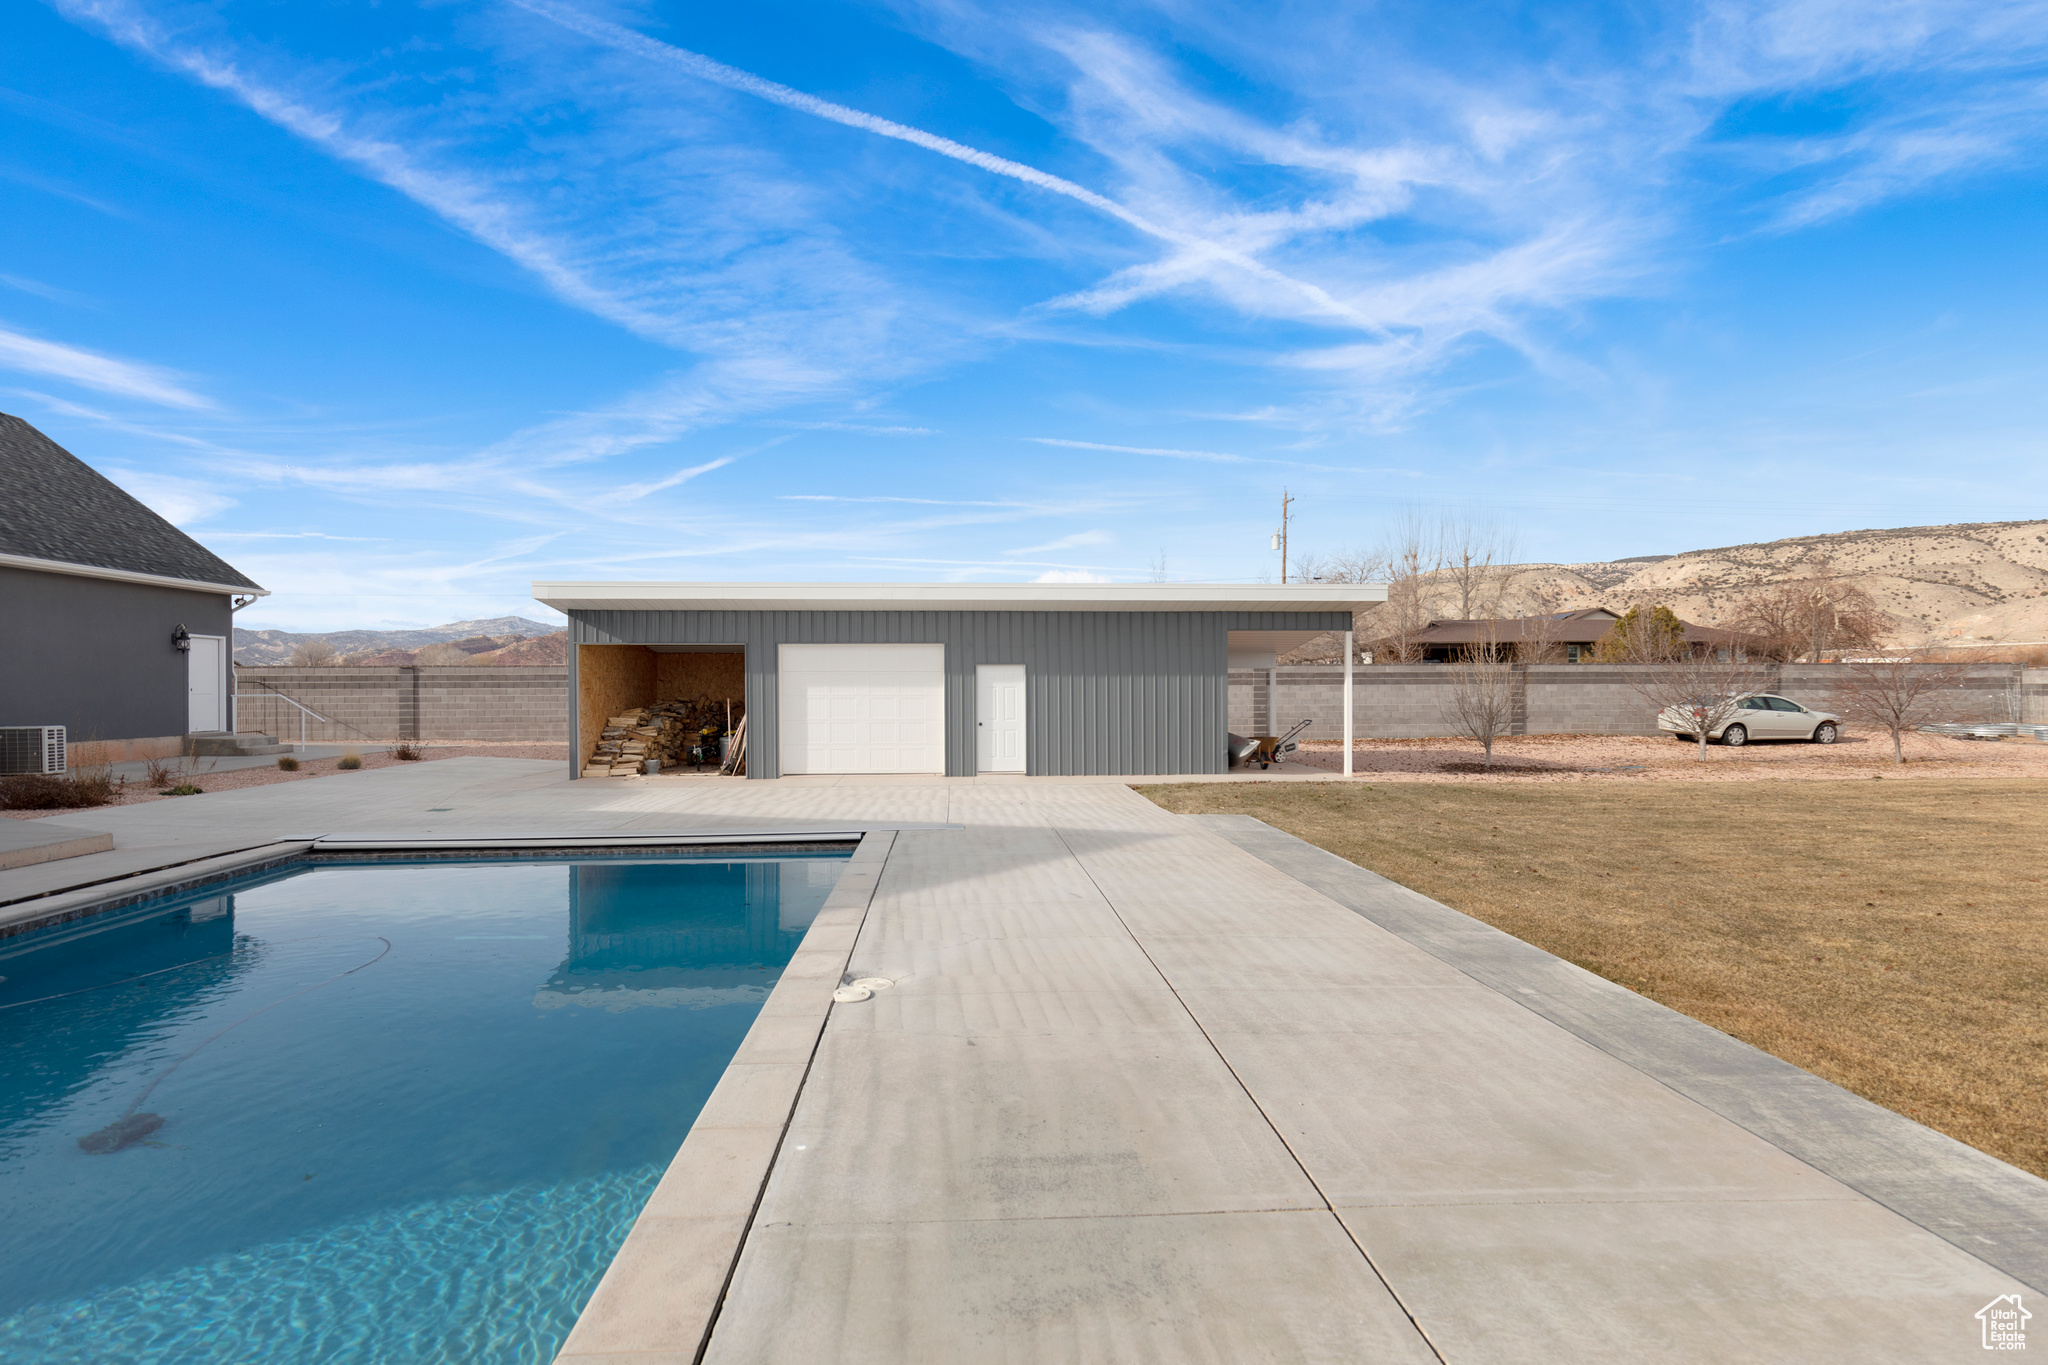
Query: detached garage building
x=943 y=678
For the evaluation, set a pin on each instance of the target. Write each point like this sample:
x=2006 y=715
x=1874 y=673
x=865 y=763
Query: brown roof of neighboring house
x=1565 y=628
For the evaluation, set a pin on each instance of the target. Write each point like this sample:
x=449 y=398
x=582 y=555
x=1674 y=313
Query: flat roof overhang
x=1261 y=597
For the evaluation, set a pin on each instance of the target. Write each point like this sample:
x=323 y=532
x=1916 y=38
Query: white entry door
x=999 y=717
x=862 y=708
x=206 y=670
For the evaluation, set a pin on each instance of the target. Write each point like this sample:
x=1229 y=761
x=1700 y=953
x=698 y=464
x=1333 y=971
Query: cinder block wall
x=1406 y=701
x=377 y=705
x=2033 y=695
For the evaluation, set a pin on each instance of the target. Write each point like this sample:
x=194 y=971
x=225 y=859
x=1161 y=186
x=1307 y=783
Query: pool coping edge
x=660 y=1297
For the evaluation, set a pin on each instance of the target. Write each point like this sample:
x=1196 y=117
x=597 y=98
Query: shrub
x=1640 y=636
x=405 y=751
x=48 y=791
x=287 y=764
x=185 y=789
x=350 y=762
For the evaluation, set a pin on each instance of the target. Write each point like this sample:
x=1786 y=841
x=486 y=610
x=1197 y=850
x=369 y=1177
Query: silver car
x=1761 y=716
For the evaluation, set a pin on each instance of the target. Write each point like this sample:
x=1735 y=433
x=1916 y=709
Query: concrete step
x=219 y=745
x=24 y=843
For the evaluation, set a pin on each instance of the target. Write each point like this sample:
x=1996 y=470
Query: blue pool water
x=407 y=1110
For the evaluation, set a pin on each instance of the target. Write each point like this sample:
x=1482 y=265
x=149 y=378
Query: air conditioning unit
x=31 y=748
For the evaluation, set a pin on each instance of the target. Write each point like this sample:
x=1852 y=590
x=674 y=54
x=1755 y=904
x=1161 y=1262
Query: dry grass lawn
x=1892 y=937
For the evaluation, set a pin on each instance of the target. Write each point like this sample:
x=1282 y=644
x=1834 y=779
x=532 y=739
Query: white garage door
x=863 y=708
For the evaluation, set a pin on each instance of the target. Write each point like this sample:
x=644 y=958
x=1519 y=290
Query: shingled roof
x=56 y=507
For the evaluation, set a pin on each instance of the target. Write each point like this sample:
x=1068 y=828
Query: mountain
x=1976 y=583
x=477 y=649
x=271 y=647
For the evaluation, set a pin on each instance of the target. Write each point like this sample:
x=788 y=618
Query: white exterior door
x=999 y=717
x=206 y=670
x=862 y=708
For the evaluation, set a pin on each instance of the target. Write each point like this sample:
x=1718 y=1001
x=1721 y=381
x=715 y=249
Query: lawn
x=1892 y=937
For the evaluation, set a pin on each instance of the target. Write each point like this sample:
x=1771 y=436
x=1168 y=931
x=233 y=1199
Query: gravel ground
x=1629 y=758
x=136 y=794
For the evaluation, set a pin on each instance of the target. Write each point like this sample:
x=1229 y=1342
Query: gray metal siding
x=95 y=655
x=1105 y=691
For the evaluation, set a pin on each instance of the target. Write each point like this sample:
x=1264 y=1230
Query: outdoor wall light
x=181 y=639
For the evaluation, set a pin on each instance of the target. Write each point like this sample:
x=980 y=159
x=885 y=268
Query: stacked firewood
x=668 y=731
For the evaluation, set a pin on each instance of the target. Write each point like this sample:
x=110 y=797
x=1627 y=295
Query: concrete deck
x=24 y=843
x=1141 y=1093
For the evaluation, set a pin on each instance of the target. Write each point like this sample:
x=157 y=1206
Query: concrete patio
x=1152 y=1087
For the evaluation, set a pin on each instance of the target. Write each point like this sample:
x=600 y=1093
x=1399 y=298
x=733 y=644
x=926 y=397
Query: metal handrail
x=303 y=711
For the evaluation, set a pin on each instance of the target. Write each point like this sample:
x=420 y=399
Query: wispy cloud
x=1206 y=456
x=1191 y=249
x=1072 y=542
x=1212 y=456
x=47 y=291
x=94 y=370
x=860 y=427
x=915 y=502
x=637 y=491
x=181 y=502
x=460 y=199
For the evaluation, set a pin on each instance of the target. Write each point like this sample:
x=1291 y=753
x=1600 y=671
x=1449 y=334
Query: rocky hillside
x=272 y=647
x=477 y=649
x=1969 y=584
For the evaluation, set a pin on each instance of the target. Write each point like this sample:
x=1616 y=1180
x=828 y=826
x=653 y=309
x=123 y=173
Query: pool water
x=373 y=1112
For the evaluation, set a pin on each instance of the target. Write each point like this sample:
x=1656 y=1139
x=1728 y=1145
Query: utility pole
x=1280 y=536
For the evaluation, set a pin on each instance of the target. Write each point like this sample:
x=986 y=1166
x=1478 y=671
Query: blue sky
x=402 y=305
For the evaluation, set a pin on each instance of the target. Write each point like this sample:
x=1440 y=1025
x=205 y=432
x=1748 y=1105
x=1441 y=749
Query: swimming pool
x=364 y=1112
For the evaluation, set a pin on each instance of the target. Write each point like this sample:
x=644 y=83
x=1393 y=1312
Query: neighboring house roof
x=1252 y=597
x=62 y=515
x=1564 y=628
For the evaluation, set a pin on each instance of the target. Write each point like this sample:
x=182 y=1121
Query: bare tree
x=1480 y=704
x=1540 y=629
x=1433 y=564
x=1477 y=565
x=312 y=654
x=1344 y=566
x=1696 y=692
x=1411 y=553
x=1811 y=615
x=441 y=656
x=1897 y=695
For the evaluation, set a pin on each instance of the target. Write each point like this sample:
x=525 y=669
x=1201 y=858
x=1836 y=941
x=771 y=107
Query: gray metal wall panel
x=95 y=655
x=1105 y=692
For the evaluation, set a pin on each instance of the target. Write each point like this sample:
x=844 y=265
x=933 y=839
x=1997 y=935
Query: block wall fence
x=1406 y=701
x=1391 y=700
x=511 y=702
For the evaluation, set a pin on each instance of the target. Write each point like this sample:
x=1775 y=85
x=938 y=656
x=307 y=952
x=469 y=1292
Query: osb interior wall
x=721 y=677
x=609 y=679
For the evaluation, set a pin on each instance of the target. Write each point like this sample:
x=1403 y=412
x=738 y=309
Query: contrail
x=626 y=40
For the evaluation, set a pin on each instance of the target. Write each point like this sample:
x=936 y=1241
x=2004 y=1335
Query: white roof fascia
x=125 y=576
x=959 y=596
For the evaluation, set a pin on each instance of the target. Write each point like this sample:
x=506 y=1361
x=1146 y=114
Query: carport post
x=1349 y=649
